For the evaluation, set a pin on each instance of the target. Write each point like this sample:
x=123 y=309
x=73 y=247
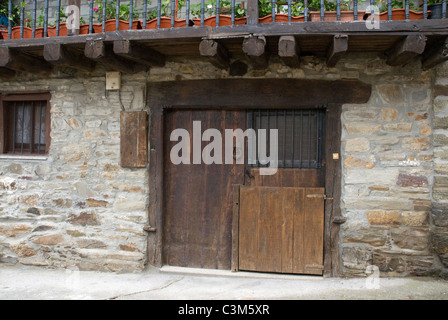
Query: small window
x=299 y=135
x=25 y=124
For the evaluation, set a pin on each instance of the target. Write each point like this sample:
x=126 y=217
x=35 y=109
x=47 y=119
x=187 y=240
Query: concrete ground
x=168 y=283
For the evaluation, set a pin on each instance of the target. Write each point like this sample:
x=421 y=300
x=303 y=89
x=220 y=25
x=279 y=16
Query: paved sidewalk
x=34 y=283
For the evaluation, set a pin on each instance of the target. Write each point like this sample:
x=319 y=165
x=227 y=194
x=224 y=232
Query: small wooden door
x=281 y=216
x=281 y=229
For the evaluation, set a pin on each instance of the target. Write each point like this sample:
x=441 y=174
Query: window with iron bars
x=25 y=124
x=300 y=135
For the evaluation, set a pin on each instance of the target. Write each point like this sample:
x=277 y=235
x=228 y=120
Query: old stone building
x=77 y=206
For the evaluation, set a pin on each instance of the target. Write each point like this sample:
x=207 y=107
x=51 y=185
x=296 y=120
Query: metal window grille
x=300 y=135
x=27 y=127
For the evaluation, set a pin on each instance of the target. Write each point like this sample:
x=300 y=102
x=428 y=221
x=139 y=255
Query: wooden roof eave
x=129 y=48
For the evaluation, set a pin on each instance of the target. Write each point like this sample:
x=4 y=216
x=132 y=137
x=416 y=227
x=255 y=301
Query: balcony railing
x=45 y=18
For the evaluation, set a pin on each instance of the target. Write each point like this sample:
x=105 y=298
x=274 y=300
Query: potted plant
x=225 y=12
x=165 y=16
x=347 y=13
x=111 y=15
x=4 y=14
x=398 y=11
x=265 y=11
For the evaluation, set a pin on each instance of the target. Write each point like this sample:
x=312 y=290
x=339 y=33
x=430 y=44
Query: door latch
x=319 y=196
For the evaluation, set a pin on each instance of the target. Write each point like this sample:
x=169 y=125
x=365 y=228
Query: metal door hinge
x=320 y=196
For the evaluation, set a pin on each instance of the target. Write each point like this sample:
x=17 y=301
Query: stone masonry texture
x=80 y=208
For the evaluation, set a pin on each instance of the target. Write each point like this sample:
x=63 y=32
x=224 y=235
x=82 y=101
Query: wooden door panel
x=286 y=177
x=198 y=197
x=281 y=229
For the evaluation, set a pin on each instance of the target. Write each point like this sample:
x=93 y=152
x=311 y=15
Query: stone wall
x=80 y=208
x=439 y=212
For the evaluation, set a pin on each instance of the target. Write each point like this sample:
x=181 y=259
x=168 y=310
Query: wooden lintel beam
x=20 y=61
x=338 y=47
x=289 y=51
x=142 y=55
x=97 y=51
x=406 y=49
x=57 y=54
x=435 y=56
x=216 y=53
x=255 y=50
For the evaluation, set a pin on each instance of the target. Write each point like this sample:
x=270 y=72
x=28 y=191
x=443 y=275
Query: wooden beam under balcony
x=97 y=51
x=255 y=50
x=436 y=55
x=289 y=51
x=142 y=55
x=406 y=49
x=338 y=48
x=216 y=53
x=7 y=73
x=20 y=61
x=57 y=54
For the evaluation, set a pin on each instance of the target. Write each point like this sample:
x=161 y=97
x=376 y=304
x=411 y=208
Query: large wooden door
x=198 y=197
x=281 y=229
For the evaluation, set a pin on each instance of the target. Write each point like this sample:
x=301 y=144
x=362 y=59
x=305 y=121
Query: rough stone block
x=414 y=239
x=410 y=180
x=357 y=145
x=50 y=240
x=389 y=114
x=416 y=144
x=371 y=176
x=362 y=128
x=383 y=217
x=84 y=219
x=414 y=218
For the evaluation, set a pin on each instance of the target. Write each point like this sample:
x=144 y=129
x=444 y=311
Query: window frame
x=295 y=163
x=17 y=97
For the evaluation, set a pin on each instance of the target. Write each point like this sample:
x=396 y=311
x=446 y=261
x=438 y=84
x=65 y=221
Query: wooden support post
x=255 y=50
x=252 y=12
x=19 y=61
x=216 y=53
x=58 y=54
x=406 y=49
x=289 y=51
x=337 y=49
x=142 y=55
x=97 y=51
x=435 y=56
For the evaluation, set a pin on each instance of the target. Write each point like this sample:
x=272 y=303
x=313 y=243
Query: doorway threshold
x=241 y=274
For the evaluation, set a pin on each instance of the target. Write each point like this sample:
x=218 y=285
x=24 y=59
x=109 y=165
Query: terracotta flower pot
x=398 y=14
x=280 y=17
x=332 y=15
x=165 y=23
x=51 y=31
x=27 y=33
x=110 y=26
x=4 y=34
x=224 y=20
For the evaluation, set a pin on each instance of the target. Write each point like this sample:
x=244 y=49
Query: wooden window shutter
x=133 y=139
